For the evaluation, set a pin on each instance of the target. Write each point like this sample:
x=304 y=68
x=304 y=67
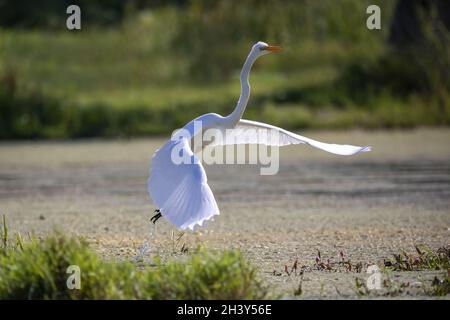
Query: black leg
x=156 y=216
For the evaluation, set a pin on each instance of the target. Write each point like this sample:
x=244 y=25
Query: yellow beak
x=274 y=48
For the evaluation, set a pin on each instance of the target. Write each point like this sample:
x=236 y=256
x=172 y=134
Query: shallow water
x=370 y=205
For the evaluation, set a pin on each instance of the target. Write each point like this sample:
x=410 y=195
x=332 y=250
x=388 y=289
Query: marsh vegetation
x=151 y=69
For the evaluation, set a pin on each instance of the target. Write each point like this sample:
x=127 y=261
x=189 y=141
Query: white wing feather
x=253 y=132
x=181 y=191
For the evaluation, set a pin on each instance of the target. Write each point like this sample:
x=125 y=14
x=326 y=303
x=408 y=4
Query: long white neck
x=234 y=117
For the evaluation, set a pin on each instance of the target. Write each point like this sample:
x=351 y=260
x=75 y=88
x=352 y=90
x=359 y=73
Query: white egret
x=181 y=191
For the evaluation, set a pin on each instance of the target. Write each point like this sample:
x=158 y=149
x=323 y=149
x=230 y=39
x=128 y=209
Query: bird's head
x=261 y=48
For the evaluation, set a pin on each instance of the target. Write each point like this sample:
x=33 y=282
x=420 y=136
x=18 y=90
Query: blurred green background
x=147 y=67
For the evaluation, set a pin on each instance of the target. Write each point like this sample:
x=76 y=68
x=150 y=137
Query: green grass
x=37 y=269
x=425 y=258
x=159 y=69
x=440 y=286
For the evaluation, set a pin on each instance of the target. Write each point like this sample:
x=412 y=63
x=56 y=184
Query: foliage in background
x=50 y=14
x=217 y=34
x=156 y=65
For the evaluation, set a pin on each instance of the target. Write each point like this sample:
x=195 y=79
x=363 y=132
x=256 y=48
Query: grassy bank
x=160 y=68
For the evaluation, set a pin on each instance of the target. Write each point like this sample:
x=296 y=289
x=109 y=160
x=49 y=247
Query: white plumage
x=181 y=191
x=253 y=132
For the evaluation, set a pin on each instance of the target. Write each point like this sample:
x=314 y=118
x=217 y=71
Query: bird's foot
x=156 y=216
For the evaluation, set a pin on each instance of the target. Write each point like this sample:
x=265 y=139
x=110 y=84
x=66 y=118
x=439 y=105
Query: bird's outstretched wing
x=253 y=132
x=181 y=190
